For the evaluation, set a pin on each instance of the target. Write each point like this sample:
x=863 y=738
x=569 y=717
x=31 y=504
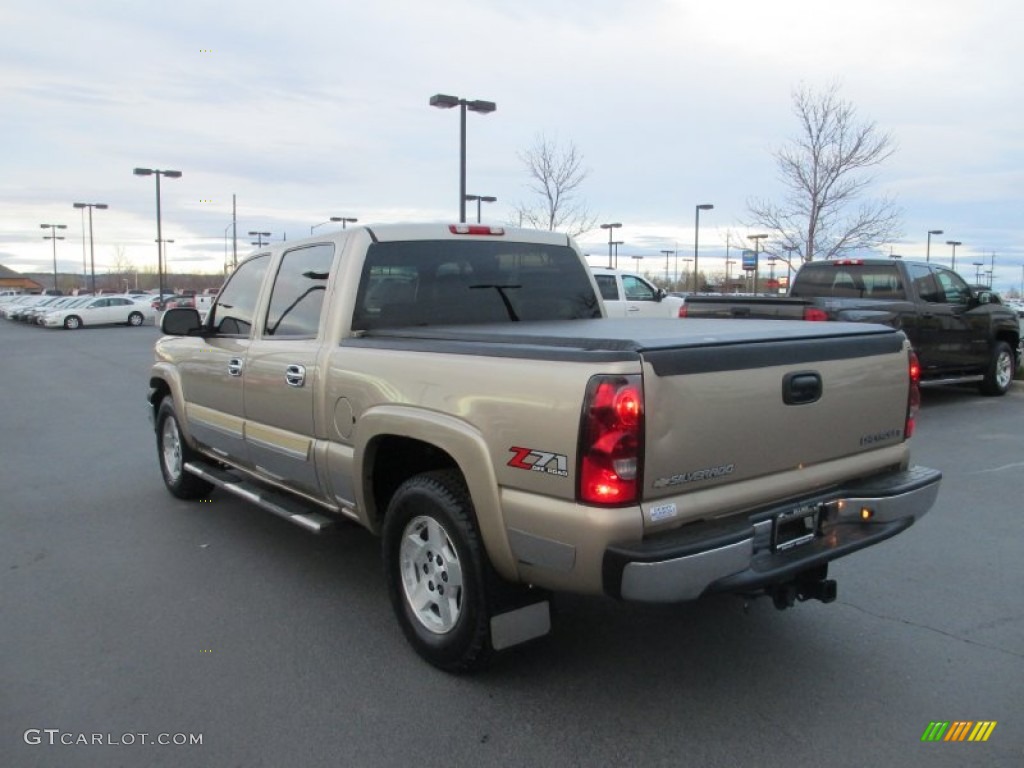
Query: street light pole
x=610 y=227
x=696 y=240
x=55 y=237
x=479 y=199
x=616 y=244
x=159 y=232
x=443 y=101
x=667 y=252
x=92 y=253
x=928 y=251
x=954 y=243
x=686 y=273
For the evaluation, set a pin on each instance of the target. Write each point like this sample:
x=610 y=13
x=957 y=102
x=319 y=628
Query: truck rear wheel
x=999 y=375
x=173 y=453
x=437 y=572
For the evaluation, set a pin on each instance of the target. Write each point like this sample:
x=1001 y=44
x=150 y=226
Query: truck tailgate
x=742 y=403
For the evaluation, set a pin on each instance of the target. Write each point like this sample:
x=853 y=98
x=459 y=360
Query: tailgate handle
x=801 y=388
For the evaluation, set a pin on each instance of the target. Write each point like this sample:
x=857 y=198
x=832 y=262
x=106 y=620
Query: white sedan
x=102 y=310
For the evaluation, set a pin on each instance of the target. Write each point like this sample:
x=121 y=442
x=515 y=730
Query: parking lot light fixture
x=335 y=219
x=696 y=240
x=480 y=199
x=55 y=237
x=954 y=243
x=259 y=238
x=159 y=232
x=668 y=252
x=928 y=249
x=92 y=254
x=610 y=227
x=444 y=101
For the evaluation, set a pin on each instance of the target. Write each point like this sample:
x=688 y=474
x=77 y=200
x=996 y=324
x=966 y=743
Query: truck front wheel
x=999 y=375
x=437 y=571
x=173 y=453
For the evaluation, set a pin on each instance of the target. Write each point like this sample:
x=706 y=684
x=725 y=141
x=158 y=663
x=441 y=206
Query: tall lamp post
x=954 y=243
x=92 y=254
x=977 y=270
x=480 y=199
x=616 y=244
x=55 y=237
x=667 y=252
x=443 y=101
x=159 y=232
x=928 y=251
x=696 y=241
x=610 y=227
x=757 y=244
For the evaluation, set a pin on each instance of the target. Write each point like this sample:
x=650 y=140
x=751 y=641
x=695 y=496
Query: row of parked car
x=73 y=312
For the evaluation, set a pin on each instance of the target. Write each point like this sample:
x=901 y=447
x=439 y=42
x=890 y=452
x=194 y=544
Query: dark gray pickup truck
x=960 y=334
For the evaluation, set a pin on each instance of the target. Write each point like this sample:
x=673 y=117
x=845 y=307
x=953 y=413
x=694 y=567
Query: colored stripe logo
x=959 y=730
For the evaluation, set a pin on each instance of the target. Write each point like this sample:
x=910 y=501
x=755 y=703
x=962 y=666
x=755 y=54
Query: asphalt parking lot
x=124 y=611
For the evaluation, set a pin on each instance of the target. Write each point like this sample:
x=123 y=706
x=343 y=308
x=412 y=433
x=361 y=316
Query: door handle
x=235 y=366
x=295 y=375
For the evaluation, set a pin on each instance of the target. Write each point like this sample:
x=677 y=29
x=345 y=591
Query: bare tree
x=120 y=268
x=556 y=174
x=824 y=172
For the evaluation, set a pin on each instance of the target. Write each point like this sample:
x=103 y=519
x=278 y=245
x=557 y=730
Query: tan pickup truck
x=458 y=391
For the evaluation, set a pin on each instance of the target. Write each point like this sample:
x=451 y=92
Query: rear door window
x=297 y=298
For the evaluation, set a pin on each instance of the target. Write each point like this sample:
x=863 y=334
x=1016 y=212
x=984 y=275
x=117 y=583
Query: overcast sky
x=316 y=108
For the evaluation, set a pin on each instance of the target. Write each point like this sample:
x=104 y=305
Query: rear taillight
x=913 y=396
x=815 y=314
x=683 y=311
x=611 y=441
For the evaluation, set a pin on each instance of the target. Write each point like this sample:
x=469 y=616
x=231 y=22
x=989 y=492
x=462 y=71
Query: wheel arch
x=1013 y=339
x=394 y=443
x=165 y=382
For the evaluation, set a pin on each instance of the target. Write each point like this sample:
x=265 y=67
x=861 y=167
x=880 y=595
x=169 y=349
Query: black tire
x=72 y=322
x=135 y=319
x=433 y=552
x=999 y=374
x=173 y=452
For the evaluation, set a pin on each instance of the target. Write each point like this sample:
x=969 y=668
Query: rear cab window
x=848 y=281
x=446 y=282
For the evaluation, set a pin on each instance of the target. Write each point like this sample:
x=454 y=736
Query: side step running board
x=277 y=503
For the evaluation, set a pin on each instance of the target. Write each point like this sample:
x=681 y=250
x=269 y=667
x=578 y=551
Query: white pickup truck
x=626 y=294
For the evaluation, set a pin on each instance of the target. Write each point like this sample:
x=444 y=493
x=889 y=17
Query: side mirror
x=661 y=294
x=181 y=321
x=983 y=297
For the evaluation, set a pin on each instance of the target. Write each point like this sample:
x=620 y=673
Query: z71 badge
x=539 y=461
